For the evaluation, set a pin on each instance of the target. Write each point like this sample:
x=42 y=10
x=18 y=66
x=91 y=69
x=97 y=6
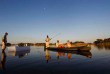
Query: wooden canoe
x=79 y=48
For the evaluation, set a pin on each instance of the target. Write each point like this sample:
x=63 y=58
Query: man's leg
x=47 y=44
x=3 y=46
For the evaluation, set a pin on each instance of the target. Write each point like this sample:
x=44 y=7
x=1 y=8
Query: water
x=43 y=61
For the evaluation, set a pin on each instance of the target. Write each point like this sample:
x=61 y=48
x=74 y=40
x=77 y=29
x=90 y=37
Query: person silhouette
x=4 y=41
x=47 y=41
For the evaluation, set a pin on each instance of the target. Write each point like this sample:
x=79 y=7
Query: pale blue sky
x=76 y=20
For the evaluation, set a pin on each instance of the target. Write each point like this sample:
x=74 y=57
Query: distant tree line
x=43 y=44
x=31 y=44
x=102 y=42
x=78 y=43
x=39 y=44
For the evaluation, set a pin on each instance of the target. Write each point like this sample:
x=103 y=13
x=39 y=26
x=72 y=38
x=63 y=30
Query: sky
x=76 y=20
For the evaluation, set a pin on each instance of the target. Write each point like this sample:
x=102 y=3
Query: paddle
x=55 y=36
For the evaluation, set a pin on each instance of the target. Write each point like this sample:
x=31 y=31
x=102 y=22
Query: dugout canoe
x=79 y=48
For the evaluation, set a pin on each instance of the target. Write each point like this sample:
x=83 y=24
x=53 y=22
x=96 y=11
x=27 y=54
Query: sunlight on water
x=38 y=60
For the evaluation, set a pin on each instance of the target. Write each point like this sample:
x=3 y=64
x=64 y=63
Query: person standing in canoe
x=4 y=41
x=47 y=41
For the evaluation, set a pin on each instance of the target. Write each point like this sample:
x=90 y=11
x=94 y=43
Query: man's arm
x=5 y=39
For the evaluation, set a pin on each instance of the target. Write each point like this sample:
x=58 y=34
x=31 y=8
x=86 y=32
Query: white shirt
x=57 y=44
x=47 y=39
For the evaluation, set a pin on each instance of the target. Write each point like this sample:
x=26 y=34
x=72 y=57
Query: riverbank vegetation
x=77 y=43
x=102 y=42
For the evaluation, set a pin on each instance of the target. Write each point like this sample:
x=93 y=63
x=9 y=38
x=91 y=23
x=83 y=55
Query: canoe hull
x=81 y=48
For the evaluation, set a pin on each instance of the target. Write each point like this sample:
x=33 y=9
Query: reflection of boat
x=80 y=48
x=84 y=53
x=19 y=53
x=18 y=48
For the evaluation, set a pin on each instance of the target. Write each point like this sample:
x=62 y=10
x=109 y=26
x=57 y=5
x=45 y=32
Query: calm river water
x=38 y=60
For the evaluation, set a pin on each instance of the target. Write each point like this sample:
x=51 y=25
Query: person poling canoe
x=56 y=35
x=47 y=41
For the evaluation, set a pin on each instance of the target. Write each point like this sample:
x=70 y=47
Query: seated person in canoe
x=68 y=44
x=59 y=44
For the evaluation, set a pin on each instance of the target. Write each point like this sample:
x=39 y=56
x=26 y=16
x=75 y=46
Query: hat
x=6 y=33
x=68 y=41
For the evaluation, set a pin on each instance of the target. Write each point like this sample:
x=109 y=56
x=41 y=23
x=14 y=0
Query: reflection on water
x=3 y=60
x=58 y=54
x=14 y=53
x=47 y=57
x=53 y=62
x=100 y=47
x=20 y=54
